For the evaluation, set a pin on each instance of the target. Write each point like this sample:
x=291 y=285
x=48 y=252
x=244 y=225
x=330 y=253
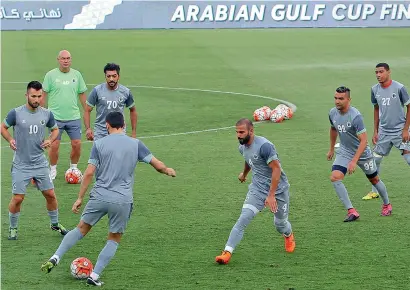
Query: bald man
x=62 y=88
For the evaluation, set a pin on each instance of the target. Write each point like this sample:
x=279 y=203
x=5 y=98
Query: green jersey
x=63 y=89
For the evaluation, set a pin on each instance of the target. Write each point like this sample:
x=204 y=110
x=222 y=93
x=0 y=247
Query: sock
x=341 y=192
x=378 y=160
x=53 y=167
x=105 y=256
x=70 y=239
x=238 y=229
x=381 y=189
x=53 y=214
x=73 y=165
x=407 y=158
x=14 y=219
x=94 y=276
x=283 y=226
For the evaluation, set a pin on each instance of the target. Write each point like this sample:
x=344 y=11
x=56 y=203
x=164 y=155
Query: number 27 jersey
x=348 y=126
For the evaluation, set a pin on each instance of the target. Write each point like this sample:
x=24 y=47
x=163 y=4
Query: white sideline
x=292 y=106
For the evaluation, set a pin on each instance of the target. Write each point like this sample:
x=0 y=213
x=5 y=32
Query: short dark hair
x=115 y=120
x=343 y=90
x=112 y=66
x=245 y=121
x=383 y=65
x=34 y=85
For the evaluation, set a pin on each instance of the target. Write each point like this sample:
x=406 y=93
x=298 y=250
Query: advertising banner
x=116 y=14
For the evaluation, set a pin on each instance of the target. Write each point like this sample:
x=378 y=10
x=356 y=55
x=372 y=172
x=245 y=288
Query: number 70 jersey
x=30 y=131
x=106 y=101
x=348 y=126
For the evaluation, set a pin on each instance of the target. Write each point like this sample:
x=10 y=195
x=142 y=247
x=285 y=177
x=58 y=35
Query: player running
x=113 y=159
x=347 y=122
x=269 y=187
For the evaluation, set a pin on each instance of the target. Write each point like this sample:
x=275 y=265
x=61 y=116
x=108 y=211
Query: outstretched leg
x=70 y=239
x=253 y=204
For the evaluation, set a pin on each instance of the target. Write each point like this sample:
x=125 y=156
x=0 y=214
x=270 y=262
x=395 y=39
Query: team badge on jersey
x=42 y=122
x=348 y=124
x=255 y=156
x=73 y=80
x=394 y=95
x=121 y=99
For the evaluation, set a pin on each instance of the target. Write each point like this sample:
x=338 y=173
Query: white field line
x=292 y=106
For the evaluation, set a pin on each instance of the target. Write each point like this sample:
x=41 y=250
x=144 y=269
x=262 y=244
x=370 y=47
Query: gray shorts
x=73 y=129
x=21 y=178
x=368 y=166
x=118 y=214
x=98 y=133
x=255 y=201
x=386 y=142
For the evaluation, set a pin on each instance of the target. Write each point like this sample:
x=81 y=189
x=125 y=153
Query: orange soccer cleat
x=223 y=258
x=290 y=243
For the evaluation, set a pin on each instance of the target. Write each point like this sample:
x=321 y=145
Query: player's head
x=34 y=94
x=64 y=59
x=114 y=120
x=244 y=131
x=382 y=72
x=342 y=98
x=112 y=74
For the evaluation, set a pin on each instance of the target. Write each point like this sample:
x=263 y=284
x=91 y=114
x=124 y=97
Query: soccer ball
x=262 y=113
x=73 y=176
x=286 y=111
x=81 y=268
x=276 y=116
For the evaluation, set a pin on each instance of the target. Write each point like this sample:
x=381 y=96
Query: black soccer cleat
x=91 y=281
x=351 y=218
x=352 y=215
x=59 y=228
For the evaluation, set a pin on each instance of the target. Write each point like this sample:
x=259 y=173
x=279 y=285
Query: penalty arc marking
x=289 y=104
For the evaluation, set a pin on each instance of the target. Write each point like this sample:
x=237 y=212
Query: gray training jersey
x=349 y=126
x=30 y=132
x=116 y=157
x=258 y=155
x=107 y=101
x=391 y=101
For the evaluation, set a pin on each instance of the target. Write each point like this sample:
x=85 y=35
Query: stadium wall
x=116 y=14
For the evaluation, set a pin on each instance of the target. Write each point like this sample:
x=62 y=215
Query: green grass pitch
x=179 y=225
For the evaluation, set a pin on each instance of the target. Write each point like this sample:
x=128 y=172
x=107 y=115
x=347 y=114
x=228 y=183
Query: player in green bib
x=62 y=87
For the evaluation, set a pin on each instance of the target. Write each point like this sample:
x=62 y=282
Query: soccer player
x=347 y=122
x=107 y=97
x=391 y=123
x=269 y=187
x=62 y=87
x=29 y=124
x=113 y=160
